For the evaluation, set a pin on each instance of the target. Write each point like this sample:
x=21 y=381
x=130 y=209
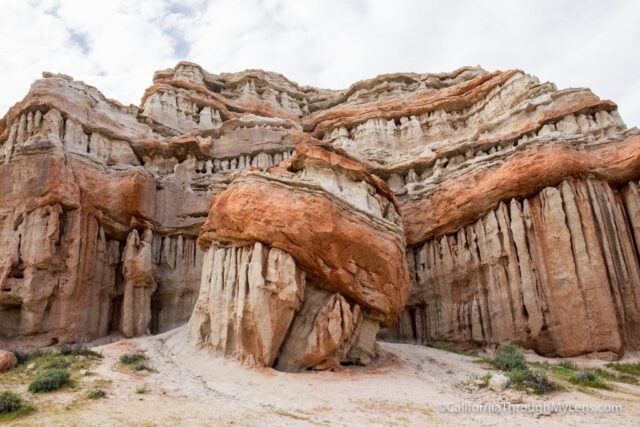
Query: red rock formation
x=523 y=174
x=362 y=255
x=330 y=219
x=7 y=360
x=544 y=272
x=513 y=200
x=518 y=201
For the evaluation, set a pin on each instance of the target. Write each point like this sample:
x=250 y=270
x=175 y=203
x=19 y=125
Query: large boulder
x=8 y=360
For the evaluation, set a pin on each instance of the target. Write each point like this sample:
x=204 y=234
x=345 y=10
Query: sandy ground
x=409 y=386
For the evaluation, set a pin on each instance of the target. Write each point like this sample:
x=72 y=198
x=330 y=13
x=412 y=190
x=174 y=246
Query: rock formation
x=314 y=250
x=7 y=360
x=469 y=207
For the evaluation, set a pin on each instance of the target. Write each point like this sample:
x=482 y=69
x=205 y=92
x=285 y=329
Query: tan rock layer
x=81 y=103
x=315 y=154
x=228 y=108
x=454 y=97
x=255 y=306
x=565 y=103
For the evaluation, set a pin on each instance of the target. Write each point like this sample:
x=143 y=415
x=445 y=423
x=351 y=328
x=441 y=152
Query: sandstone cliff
x=468 y=207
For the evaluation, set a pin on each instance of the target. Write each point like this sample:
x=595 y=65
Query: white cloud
x=116 y=45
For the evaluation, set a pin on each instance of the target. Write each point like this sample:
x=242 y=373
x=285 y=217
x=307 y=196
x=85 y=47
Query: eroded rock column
x=139 y=284
x=248 y=297
x=558 y=273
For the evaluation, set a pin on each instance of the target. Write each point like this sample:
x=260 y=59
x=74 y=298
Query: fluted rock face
x=248 y=298
x=518 y=206
x=556 y=273
x=84 y=224
x=510 y=208
x=336 y=256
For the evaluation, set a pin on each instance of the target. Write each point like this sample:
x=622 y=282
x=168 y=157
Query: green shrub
x=136 y=361
x=26 y=357
x=12 y=406
x=527 y=379
x=509 y=357
x=617 y=376
x=49 y=380
x=43 y=359
x=588 y=379
x=10 y=402
x=131 y=358
x=75 y=357
x=142 y=388
x=79 y=350
x=54 y=361
x=96 y=393
x=484 y=380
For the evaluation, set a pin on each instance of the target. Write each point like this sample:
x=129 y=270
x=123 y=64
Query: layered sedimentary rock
x=556 y=272
x=298 y=258
x=75 y=196
x=517 y=205
x=101 y=204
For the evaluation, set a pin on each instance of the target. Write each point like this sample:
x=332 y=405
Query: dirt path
x=409 y=386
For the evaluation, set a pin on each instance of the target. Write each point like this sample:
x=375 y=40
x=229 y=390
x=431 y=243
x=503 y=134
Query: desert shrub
x=131 y=358
x=26 y=357
x=527 y=379
x=612 y=375
x=10 y=402
x=12 y=406
x=484 y=380
x=49 y=380
x=66 y=350
x=54 y=361
x=96 y=393
x=142 y=388
x=79 y=350
x=137 y=361
x=75 y=357
x=509 y=357
x=588 y=379
x=584 y=376
x=43 y=359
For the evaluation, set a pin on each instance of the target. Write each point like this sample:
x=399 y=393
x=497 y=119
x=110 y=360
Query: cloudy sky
x=116 y=45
